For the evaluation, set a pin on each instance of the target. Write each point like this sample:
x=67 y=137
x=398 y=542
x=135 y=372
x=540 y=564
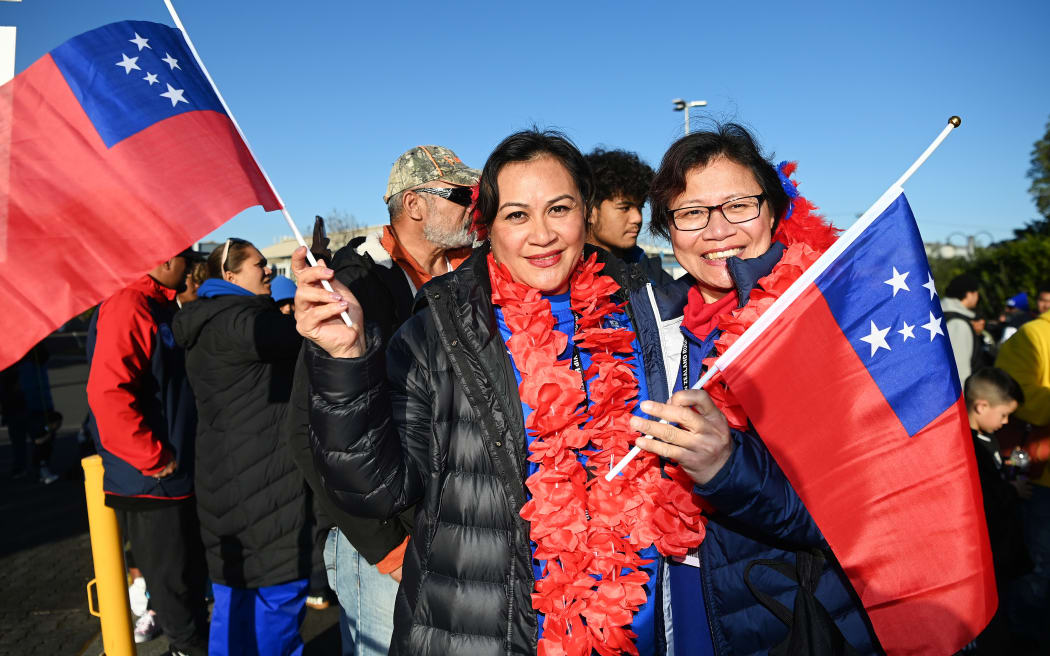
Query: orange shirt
x=417 y=274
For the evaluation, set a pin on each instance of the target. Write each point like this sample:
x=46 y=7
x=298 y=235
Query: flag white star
x=175 y=96
x=930 y=286
x=140 y=42
x=171 y=61
x=897 y=281
x=877 y=338
x=934 y=326
x=907 y=331
x=128 y=63
x=151 y=78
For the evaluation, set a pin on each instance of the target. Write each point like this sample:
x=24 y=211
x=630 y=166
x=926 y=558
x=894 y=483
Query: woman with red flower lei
x=743 y=234
x=497 y=408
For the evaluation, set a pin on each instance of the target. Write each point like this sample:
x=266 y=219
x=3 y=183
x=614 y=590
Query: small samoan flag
x=869 y=425
x=115 y=155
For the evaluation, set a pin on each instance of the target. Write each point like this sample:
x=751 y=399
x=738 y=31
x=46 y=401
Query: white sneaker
x=138 y=597
x=46 y=477
x=146 y=628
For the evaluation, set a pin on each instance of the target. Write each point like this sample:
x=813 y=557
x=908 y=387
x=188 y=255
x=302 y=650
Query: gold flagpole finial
x=955 y=121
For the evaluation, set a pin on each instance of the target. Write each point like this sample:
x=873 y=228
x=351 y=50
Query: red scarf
x=702 y=317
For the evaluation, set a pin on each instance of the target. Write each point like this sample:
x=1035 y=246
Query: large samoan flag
x=115 y=154
x=868 y=423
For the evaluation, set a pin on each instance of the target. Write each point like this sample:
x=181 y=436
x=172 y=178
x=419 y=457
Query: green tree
x=1039 y=174
x=1003 y=269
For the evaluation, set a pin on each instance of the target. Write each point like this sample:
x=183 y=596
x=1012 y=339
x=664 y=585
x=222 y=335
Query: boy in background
x=991 y=396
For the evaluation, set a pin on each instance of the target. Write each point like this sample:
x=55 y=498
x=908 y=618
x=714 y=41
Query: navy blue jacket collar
x=671 y=298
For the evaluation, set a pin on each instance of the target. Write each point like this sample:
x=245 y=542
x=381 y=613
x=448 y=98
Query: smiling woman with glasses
x=740 y=230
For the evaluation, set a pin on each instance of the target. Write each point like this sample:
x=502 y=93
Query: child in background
x=991 y=396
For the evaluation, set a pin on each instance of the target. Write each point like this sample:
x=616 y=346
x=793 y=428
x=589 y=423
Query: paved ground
x=45 y=553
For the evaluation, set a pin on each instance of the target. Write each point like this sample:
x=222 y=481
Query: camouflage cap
x=424 y=164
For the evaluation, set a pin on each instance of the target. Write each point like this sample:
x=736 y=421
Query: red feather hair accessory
x=802 y=224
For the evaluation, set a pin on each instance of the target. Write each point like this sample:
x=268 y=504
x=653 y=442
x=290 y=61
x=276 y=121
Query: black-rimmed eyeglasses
x=458 y=195
x=738 y=210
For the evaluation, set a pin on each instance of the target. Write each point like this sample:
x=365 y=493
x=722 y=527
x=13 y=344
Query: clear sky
x=330 y=92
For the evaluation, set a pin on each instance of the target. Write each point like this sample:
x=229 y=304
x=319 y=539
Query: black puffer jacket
x=386 y=299
x=240 y=354
x=438 y=424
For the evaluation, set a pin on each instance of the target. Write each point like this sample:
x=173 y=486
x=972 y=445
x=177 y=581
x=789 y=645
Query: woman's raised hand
x=317 y=310
x=696 y=435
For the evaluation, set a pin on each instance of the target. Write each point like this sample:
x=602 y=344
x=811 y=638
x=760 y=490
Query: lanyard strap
x=684 y=367
x=577 y=361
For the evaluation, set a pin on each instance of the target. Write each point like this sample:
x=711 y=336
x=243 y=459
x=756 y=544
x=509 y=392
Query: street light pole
x=681 y=105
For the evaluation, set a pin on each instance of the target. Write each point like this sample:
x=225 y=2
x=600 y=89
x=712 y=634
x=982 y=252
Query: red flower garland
x=807 y=235
x=589 y=536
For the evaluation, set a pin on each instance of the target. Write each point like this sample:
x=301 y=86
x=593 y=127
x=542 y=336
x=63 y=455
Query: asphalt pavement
x=45 y=552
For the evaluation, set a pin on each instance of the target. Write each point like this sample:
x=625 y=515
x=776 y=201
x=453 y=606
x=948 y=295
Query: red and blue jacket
x=139 y=395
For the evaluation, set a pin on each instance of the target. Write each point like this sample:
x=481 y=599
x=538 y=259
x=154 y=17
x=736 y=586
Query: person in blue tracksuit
x=720 y=202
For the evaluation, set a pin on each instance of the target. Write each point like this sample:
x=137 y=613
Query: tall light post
x=681 y=105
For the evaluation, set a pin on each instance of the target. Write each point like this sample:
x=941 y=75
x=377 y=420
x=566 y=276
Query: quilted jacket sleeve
x=363 y=425
x=373 y=538
x=752 y=489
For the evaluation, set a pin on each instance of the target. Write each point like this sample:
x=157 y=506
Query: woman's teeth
x=721 y=255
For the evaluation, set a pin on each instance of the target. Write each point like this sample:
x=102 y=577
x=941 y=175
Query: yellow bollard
x=107 y=551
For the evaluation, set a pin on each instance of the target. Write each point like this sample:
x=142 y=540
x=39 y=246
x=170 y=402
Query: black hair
x=1044 y=288
x=961 y=285
x=528 y=145
x=619 y=174
x=728 y=140
x=238 y=253
x=993 y=385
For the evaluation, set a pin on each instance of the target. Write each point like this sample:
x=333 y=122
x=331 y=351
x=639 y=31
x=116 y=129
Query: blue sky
x=330 y=92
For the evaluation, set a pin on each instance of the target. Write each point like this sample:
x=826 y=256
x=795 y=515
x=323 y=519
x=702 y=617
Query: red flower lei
x=806 y=234
x=589 y=536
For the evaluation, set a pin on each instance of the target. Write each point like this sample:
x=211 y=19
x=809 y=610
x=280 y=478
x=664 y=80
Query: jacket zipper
x=705 y=583
x=510 y=603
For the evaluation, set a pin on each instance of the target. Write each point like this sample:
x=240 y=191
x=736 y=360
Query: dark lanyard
x=577 y=362
x=684 y=367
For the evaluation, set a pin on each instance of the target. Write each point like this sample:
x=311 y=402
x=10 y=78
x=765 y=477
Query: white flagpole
x=236 y=125
x=807 y=277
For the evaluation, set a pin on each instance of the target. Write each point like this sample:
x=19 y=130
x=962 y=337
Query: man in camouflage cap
x=424 y=164
x=428 y=197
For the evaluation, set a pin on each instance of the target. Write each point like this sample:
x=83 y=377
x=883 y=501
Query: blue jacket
x=758 y=514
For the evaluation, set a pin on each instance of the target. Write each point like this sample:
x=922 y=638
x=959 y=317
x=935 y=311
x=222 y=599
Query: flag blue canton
x=882 y=295
x=129 y=75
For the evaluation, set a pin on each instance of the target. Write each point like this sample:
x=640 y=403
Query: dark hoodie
x=240 y=355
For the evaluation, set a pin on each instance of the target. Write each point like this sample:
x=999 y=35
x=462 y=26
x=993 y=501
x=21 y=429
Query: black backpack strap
x=785 y=569
x=811 y=629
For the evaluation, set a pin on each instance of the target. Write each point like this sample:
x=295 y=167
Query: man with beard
x=428 y=197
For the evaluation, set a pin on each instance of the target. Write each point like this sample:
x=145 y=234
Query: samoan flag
x=868 y=423
x=115 y=154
